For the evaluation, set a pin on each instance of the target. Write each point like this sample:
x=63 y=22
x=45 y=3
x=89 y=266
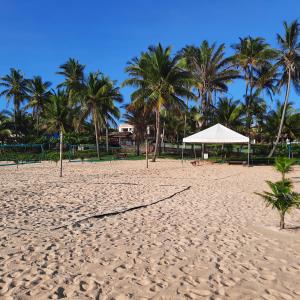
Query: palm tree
x=289 y=62
x=5 y=125
x=159 y=81
x=55 y=117
x=281 y=198
x=175 y=126
x=140 y=117
x=25 y=124
x=284 y=165
x=38 y=95
x=266 y=80
x=98 y=100
x=291 y=123
x=15 y=88
x=254 y=110
x=253 y=56
x=72 y=70
x=210 y=70
x=228 y=112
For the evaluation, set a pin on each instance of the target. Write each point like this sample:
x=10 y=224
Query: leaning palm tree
x=289 y=62
x=55 y=117
x=38 y=95
x=98 y=100
x=159 y=81
x=211 y=71
x=281 y=198
x=15 y=88
x=253 y=56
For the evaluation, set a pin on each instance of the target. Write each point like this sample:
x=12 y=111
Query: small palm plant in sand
x=281 y=198
x=284 y=165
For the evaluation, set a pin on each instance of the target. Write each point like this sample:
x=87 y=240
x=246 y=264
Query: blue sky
x=37 y=36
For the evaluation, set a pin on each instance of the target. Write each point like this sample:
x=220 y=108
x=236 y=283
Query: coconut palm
x=55 y=115
x=284 y=165
x=289 y=63
x=72 y=70
x=291 y=124
x=140 y=117
x=25 y=125
x=175 y=126
x=38 y=94
x=210 y=70
x=256 y=108
x=15 y=88
x=281 y=198
x=159 y=81
x=98 y=101
x=228 y=112
x=5 y=125
x=253 y=56
x=266 y=80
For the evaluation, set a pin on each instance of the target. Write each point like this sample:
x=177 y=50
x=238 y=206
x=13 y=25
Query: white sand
x=215 y=240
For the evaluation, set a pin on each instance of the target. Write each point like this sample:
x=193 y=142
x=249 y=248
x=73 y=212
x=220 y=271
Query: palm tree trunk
x=15 y=120
x=96 y=134
x=138 y=146
x=163 y=131
x=287 y=94
x=247 y=104
x=37 y=121
x=281 y=225
x=61 y=151
x=106 y=137
x=162 y=136
x=157 y=135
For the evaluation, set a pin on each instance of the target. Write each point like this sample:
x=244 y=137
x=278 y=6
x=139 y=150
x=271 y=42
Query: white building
x=126 y=128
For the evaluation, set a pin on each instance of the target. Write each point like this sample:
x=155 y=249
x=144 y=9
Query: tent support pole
x=249 y=154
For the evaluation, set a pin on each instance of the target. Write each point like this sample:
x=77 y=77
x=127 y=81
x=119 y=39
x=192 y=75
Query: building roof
x=125 y=125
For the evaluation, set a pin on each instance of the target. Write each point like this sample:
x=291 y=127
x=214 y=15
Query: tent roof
x=217 y=134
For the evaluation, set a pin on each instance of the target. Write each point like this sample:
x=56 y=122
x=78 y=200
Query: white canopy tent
x=218 y=134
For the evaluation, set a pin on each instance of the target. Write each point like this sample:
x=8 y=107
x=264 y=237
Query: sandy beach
x=121 y=231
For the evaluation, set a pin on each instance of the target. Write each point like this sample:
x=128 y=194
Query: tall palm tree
x=73 y=72
x=56 y=117
x=5 y=125
x=229 y=112
x=253 y=56
x=98 y=100
x=175 y=126
x=210 y=70
x=289 y=63
x=38 y=95
x=15 y=88
x=140 y=117
x=159 y=80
